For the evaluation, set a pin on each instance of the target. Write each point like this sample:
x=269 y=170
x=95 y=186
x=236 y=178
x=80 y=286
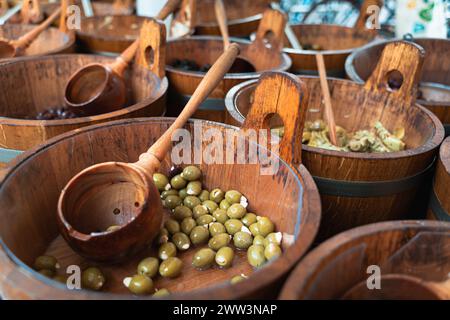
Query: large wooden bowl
x=362 y=188
x=243 y=17
x=440 y=194
x=414 y=248
x=29 y=193
x=435 y=79
x=50 y=41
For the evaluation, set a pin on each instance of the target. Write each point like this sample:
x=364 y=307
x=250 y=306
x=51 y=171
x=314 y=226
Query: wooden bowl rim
x=164 y=85
x=305 y=269
x=292 y=51
x=354 y=76
x=69 y=41
x=433 y=142
x=285 y=65
x=309 y=212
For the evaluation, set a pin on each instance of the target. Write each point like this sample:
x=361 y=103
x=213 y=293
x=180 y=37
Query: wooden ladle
x=123 y=194
x=15 y=48
x=401 y=287
x=240 y=65
x=99 y=88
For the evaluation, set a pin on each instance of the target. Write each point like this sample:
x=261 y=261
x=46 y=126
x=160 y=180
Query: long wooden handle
x=122 y=61
x=222 y=21
x=25 y=40
x=329 y=115
x=169 y=7
x=151 y=160
x=286 y=95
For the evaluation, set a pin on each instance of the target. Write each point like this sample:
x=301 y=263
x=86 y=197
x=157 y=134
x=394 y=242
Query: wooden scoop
x=98 y=88
x=123 y=194
x=240 y=64
x=15 y=48
x=401 y=287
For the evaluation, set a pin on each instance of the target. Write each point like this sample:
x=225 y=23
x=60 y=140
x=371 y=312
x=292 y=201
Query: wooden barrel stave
x=440 y=192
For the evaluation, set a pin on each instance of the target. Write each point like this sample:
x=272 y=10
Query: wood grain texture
x=324 y=272
x=441 y=184
x=357 y=107
x=436 y=70
x=32 y=85
x=289 y=198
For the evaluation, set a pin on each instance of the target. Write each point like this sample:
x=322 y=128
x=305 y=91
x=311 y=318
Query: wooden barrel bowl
x=32 y=227
x=50 y=41
x=205 y=50
x=440 y=197
x=435 y=79
x=415 y=248
x=368 y=187
x=243 y=17
x=31 y=85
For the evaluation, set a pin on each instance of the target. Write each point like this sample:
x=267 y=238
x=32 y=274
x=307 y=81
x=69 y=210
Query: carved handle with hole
x=185 y=17
x=364 y=14
x=400 y=57
x=271 y=26
x=286 y=95
x=152 y=48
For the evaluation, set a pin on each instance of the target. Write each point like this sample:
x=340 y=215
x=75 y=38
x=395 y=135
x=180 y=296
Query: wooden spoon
x=401 y=287
x=240 y=65
x=15 y=48
x=329 y=115
x=123 y=194
x=98 y=88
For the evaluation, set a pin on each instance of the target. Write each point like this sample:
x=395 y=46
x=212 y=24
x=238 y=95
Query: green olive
x=172 y=226
x=167 y=250
x=236 y=211
x=161 y=182
x=219 y=241
x=161 y=293
x=199 y=211
x=171 y=202
x=204 y=258
x=199 y=235
x=224 y=257
x=254 y=229
x=205 y=220
x=187 y=225
x=181 y=241
x=233 y=196
x=163 y=236
x=259 y=240
x=191 y=202
x=233 y=226
x=148 y=267
x=204 y=195
x=255 y=256
x=224 y=205
x=249 y=219
x=181 y=212
x=242 y=240
x=210 y=205
x=112 y=228
x=194 y=188
x=265 y=226
x=46 y=262
x=191 y=173
x=182 y=193
x=48 y=273
x=178 y=182
x=216 y=195
x=272 y=251
x=216 y=228
x=139 y=284
x=237 y=279
x=171 y=192
x=274 y=237
x=171 y=267
x=220 y=215
x=92 y=278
